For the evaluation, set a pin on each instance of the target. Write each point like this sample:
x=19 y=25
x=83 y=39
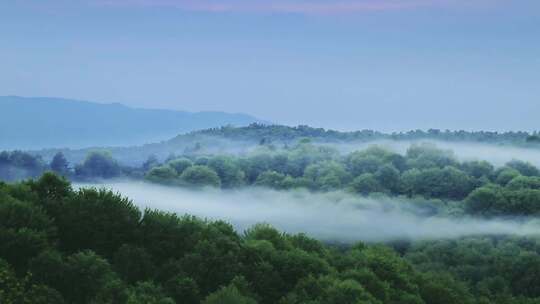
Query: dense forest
x=285 y=133
x=64 y=244
x=235 y=140
x=424 y=171
x=60 y=245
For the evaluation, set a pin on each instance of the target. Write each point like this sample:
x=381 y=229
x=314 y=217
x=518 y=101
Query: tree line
x=280 y=133
x=424 y=171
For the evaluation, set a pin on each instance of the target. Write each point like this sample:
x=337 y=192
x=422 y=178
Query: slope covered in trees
x=59 y=245
x=234 y=140
x=424 y=170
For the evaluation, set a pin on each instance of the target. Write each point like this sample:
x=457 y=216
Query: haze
x=497 y=155
x=331 y=216
x=381 y=64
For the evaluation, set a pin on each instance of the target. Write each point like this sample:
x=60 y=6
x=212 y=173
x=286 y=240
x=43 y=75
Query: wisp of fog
x=498 y=155
x=335 y=216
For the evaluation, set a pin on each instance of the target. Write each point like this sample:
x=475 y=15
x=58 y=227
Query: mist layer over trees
x=334 y=216
x=497 y=147
x=272 y=216
x=60 y=245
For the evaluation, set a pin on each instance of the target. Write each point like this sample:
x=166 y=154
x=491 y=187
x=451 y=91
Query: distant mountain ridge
x=44 y=122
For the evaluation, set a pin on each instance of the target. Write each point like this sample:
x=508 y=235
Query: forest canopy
x=65 y=244
x=61 y=245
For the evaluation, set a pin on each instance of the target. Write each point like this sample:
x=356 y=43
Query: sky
x=343 y=64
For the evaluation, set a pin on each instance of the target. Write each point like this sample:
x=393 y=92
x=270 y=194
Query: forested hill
x=285 y=133
x=36 y=123
x=228 y=139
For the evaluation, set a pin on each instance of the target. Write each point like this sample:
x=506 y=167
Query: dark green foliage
x=228 y=171
x=60 y=165
x=366 y=184
x=147 y=293
x=448 y=182
x=18 y=165
x=515 y=199
x=93 y=246
x=97 y=219
x=524 y=168
x=98 y=165
x=133 y=264
x=90 y=276
x=228 y=295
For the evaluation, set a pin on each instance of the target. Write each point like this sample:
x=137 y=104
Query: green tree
x=89 y=275
x=183 y=290
x=60 y=165
x=327 y=175
x=228 y=295
x=133 y=264
x=524 y=182
x=147 y=293
x=180 y=164
x=100 y=220
x=200 y=176
x=228 y=171
x=366 y=184
x=98 y=165
x=505 y=175
x=524 y=168
x=271 y=179
x=162 y=174
x=388 y=177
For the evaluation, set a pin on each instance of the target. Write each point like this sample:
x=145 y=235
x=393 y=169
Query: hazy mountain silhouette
x=34 y=123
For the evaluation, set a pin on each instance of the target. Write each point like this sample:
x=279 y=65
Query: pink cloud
x=281 y=6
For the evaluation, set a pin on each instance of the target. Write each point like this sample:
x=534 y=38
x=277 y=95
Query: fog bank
x=331 y=216
x=498 y=155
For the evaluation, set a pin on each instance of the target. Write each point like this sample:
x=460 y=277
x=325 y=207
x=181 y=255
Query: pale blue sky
x=347 y=64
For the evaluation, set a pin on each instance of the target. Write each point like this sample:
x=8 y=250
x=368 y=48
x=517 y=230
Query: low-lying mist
x=498 y=155
x=335 y=216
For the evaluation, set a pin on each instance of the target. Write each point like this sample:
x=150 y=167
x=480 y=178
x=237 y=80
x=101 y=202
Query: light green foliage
x=270 y=179
x=228 y=295
x=388 y=177
x=478 y=169
x=505 y=175
x=366 y=184
x=180 y=164
x=228 y=171
x=427 y=155
x=200 y=176
x=147 y=293
x=327 y=175
x=448 y=182
x=524 y=182
x=162 y=174
x=498 y=201
x=524 y=168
